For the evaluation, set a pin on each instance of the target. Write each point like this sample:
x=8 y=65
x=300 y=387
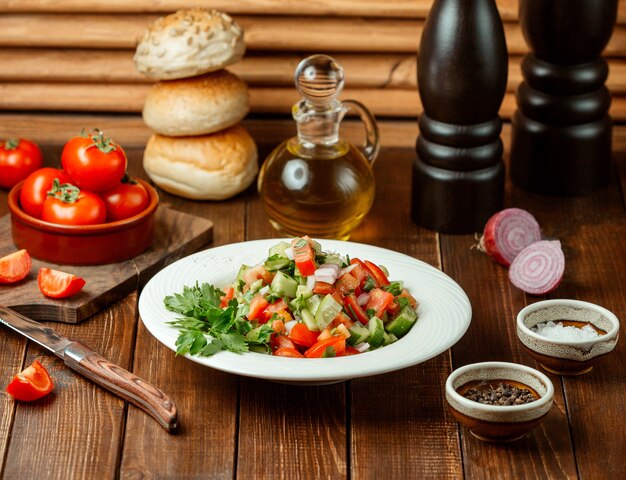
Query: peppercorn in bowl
x=499 y=401
x=567 y=337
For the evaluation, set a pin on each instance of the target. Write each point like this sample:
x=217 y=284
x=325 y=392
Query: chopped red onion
x=363 y=299
x=347 y=269
x=265 y=290
x=326 y=274
x=310 y=282
x=539 y=268
x=289 y=325
x=362 y=347
x=290 y=253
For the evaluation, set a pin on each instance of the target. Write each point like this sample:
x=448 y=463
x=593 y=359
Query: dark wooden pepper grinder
x=561 y=141
x=458 y=176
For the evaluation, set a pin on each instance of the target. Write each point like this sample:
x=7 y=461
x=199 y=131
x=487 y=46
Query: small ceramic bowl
x=567 y=357
x=497 y=423
x=86 y=244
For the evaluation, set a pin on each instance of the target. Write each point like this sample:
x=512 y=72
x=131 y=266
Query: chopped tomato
x=341 y=320
x=304 y=256
x=355 y=310
x=333 y=346
x=405 y=294
x=323 y=288
x=287 y=352
x=301 y=335
x=15 y=267
x=324 y=334
x=338 y=297
x=351 y=351
x=58 y=284
x=279 y=308
x=256 y=273
x=278 y=326
x=378 y=274
x=281 y=341
x=379 y=300
x=229 y=293
x=257 y=306
x=346 y=284
x=360 y=271
x=31 y=384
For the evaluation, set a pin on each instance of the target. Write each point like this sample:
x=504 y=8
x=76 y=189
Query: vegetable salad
x=300 y=302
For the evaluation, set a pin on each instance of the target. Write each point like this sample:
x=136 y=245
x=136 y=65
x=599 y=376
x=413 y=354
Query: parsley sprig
x=204 y=327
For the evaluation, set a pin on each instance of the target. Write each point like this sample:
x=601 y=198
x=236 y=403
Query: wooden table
x=395 y=425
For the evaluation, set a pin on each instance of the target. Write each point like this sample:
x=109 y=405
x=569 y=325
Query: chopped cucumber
x=313 y=303
x=276 y=262
x=326 y=312
x=256 y=285
x=240 y=281
x=309 y=320
x=403 y=322
x=284 y=285
x=334 y=259
x=304 y=291
x=358 y=334
x=279 y=249
x=377 y=331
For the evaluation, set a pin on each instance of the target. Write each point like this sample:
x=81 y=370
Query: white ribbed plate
x=444 y=313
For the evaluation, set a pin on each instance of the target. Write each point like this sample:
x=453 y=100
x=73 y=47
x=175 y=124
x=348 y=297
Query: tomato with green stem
x=31 y=384
x=36 y=187
x=68 y=205
x=19 y=158
x=93 y=161
x=15 y=267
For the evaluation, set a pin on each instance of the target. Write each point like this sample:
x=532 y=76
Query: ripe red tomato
x=94 y=162
x=36 y=187
x=125 y=200
x=31 y=384
x=69 y=205
x=14 y=267
x=57 y=284
x=18 y=159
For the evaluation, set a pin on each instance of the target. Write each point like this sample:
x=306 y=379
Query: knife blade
x=90 y=364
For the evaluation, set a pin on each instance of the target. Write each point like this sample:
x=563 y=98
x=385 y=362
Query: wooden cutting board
x=176 y=235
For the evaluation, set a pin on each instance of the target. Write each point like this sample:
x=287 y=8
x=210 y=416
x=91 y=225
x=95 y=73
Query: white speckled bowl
x=567 y=357
x=497 y=423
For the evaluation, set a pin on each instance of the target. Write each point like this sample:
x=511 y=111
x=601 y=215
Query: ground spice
x=504 y=394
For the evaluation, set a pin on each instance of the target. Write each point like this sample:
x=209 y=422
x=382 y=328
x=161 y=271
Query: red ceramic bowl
x=86 y=244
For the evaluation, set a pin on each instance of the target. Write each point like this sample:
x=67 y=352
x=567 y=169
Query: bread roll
x=196 y=106
x=189 y=43
x=209 y=167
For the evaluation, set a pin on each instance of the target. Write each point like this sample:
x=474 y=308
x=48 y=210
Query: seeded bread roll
x=196 y=106
x=209 y=167
x=189 y=43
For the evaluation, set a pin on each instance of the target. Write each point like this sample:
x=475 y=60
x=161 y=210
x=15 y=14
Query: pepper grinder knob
x=319 y=79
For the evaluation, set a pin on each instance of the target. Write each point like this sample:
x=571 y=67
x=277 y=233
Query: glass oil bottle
x=316 y=183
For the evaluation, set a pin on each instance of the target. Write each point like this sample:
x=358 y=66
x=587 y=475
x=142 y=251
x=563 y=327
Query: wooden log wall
x=75 y=56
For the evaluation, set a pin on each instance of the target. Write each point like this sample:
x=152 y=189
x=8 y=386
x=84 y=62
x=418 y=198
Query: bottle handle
x=372 y=135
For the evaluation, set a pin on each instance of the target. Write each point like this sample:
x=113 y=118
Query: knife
x=98 y=369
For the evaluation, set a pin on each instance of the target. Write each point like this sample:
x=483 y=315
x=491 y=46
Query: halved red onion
x=538 y=269
x=507 y=233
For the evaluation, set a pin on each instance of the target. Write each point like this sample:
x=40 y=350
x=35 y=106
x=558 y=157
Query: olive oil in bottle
x=317 y=184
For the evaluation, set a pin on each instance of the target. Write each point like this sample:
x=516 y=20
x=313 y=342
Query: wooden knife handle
x=123 y=383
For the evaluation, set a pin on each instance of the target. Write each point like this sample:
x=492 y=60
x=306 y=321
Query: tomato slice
x=57 y=284
x=287 y=352
x=31 y=384
x=323 y=288
x=15 y=267
x=301 y=335
x=355 y=310
x=304 y=256
x=257 y=306
x=328 y=346
x=378 y=274
x=379 y=300
x=346 y=284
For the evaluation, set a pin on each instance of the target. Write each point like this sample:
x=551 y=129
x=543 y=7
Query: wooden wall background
x=76 y=56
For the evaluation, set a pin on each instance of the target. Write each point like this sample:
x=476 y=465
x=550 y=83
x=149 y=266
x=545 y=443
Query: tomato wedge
x=304 y=256
x=15 y=267
x=323 y=288
x=58 y=284
x=378 y=274
x=287 y=352
x=327 y=347
x=301 y=335
x=31 y=384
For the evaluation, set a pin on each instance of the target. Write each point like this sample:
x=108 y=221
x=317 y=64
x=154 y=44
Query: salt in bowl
x=499 y=423
x=567 y=356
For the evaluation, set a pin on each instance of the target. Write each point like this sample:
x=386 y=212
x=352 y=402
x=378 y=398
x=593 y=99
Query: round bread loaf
x=209 y=167
x=188 y=43
x=196 y=106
